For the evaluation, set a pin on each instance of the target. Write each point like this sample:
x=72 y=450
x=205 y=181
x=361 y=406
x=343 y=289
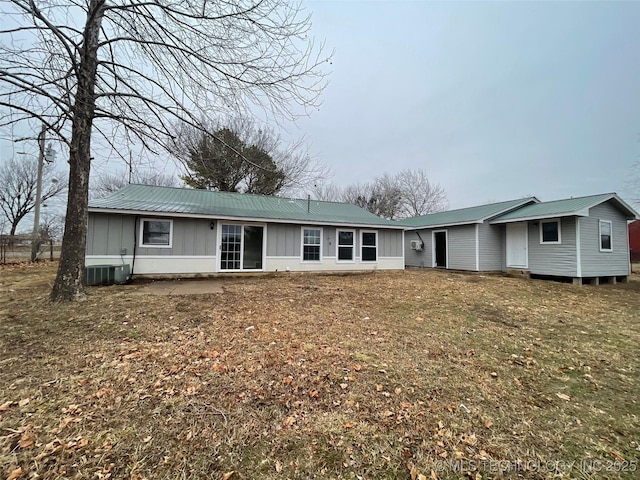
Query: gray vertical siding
x=191 y=237
x=412 y=258
x=594 y=262
x=329 y=241
x=553 y=259
x=491 y=246
x=108 y=233
x=283 y=240
x=389 y=243
x=462 y=247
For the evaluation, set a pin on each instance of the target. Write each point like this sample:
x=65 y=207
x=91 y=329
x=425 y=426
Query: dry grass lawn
x=385 y=375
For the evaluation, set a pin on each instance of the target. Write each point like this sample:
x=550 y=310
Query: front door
x=517 y=250
x=241 y=247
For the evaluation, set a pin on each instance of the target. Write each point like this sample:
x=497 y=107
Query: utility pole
x=35 y=244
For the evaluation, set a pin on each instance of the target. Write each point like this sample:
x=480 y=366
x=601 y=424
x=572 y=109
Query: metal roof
x=578 y=206
x=465 y=216
x=171 y=201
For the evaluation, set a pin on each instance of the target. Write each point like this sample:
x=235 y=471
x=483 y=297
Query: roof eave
x=524 y=201
x=443 y=225
x=577 y=213
x=246 y=219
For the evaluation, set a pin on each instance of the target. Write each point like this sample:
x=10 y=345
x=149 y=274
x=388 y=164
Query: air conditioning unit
x=106 y=274
x=416 y=245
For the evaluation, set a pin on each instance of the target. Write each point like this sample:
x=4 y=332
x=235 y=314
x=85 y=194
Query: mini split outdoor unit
x=416 y=245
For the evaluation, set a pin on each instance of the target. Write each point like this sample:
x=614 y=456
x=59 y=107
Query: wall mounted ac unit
x=416 y=245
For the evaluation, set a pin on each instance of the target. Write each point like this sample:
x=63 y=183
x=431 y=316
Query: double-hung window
x=369 y=246
x=550 y=231
x=606 y=244
x=311 y=244
x=346 y=245
x=156 y=233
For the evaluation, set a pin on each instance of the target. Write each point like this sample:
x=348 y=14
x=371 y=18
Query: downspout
x=578 y=250
x=135 y=244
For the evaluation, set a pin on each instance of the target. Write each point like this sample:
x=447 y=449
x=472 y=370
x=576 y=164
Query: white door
x=517 y=239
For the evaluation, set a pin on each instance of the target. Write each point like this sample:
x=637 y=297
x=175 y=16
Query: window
x=346 y=245
x=369 y=246
x=156 y=233
x=606 y=245
x=550 y=232
x=311 y=244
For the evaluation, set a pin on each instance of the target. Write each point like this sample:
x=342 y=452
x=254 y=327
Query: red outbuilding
x=634 y=241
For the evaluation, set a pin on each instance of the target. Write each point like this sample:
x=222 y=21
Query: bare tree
x=18 y=180
x=408 y=193
x=131 y=69
x=241 y=156
x=380 y=197
x=109 y=182
x=419 y=195
x=632 y=186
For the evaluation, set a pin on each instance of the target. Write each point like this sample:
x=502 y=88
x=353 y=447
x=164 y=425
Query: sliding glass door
x=241 y=247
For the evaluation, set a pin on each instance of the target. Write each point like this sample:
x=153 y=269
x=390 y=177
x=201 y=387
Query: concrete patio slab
x=181 y=287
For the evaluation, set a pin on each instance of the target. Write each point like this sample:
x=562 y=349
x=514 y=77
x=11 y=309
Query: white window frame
x=155 y=245
x=555 y=242
x=302 y=244
x=363 y=246
x=600 y=222
x=353 y=247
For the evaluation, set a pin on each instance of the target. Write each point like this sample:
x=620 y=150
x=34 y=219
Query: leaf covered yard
x=409 y=375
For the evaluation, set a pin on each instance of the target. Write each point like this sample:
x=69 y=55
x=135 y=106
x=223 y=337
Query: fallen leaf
x=488 y=423
x=5 y=406
x=17 y=473
x=562 y=396
x=147 y=439
x=349 y=425
x=379 y=388
x=398 y=391
x=434 y=475
x=357 y=368
x=343 y=386
x=26 y=440
x=23 y=402
x=278 y=467
x=289 y=421
x=228 y=475
x=413 y=471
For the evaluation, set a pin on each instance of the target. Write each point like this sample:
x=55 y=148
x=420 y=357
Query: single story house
x=580 y=238
x=187 y=232
x=634 y=241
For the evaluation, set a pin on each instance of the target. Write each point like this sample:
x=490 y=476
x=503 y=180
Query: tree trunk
x=68 y=285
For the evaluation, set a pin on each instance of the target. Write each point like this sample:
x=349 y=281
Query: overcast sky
x=494 y=100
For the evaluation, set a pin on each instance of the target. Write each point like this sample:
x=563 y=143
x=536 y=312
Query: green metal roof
x=192 y=202
x=578 y=206
x=464 y=216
